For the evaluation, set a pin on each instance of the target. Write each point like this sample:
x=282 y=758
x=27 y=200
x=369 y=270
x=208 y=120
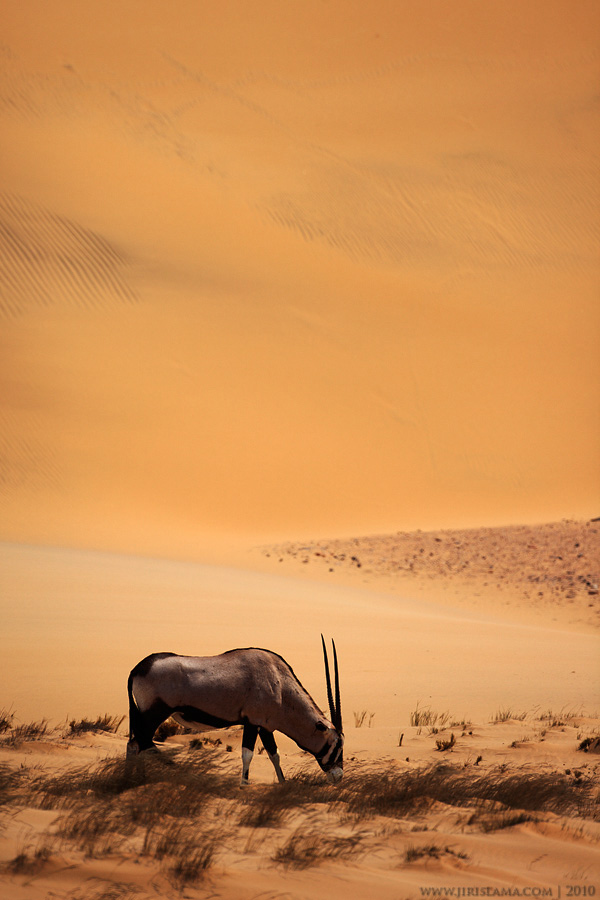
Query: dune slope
x=329 y=269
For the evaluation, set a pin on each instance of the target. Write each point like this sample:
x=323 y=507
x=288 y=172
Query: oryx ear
x=320 y=726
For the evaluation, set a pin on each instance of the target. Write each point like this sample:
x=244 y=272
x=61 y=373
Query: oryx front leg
x=248 y=742
x=270 y=746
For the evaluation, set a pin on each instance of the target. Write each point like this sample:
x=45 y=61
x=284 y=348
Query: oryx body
x=251 y=687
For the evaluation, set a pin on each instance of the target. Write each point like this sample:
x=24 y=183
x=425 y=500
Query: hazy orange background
x=274 y=269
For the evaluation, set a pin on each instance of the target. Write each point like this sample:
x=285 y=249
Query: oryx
x=250 y=687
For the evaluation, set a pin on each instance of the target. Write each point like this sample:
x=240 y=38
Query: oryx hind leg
x=144 y=725
x=268 y=742
x=248 y=742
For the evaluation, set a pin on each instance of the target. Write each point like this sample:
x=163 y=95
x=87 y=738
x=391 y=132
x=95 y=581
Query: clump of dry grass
x=431 y=851
x=270 y=807
x=305 y=847
x=559 y=719
x=506 y=714
x=496 y=821
x=266 y=812
x=101 y=889
x=6 y=720
x=110 y=724
x=9 y=778
x=97 y=833
x=188 y=849
x=30 y=731
x=427 y=717
x=361 y=716
x=590 y=744
x=398 y=793
x=442 y=745
x=29 y=861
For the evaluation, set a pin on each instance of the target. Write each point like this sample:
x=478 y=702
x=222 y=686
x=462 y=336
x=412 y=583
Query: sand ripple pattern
x=46 y=257
x=473 y=210
x=26 y=462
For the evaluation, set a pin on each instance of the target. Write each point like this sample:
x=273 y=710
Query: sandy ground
x=543 y=574
x=514 y=696
x=272 y=272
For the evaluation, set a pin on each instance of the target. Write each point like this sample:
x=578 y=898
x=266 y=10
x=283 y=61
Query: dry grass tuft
x=106 y=723
x=31 y=731
x=28 y=861
x=304 y=848
x=506 y=714
x=431 y=851
x=270 y=807
x=590 y=744
x=175 y=775
x=6 y=720
x=398 y=793
x=361 y=716
x=102 y=889
x=188 y=850
x=96 y=834
x=9 y=779
x=443 y=745
x=427 y=717
x=496 y=821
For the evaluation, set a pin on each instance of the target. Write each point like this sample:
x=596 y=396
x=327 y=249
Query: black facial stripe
x=321 y=753
x=334 y=752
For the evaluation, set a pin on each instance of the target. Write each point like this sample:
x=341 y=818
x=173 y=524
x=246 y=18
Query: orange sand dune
x=274 y=271
x=280 y=270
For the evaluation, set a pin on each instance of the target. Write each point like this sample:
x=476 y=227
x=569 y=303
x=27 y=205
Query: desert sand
x=298 y=334
x=513 y=702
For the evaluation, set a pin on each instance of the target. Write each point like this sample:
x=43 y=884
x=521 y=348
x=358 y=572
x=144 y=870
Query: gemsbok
x=250 y=687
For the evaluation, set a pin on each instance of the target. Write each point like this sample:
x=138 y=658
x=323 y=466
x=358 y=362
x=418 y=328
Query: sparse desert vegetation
x=426 y=717
x=506 y=714
x=27 y=731
x=363 y=716
x=100 y=723
x=180 y=812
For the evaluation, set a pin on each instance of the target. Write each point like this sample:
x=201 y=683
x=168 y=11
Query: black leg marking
x=270 y=746
x=268 y=741
x=148 y=722
x=249 y=737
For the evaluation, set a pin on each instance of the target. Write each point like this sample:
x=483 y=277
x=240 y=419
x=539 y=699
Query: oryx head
x=331 y=756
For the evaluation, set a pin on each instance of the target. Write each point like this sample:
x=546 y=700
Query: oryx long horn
x=334 y=707
x=338 y=704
